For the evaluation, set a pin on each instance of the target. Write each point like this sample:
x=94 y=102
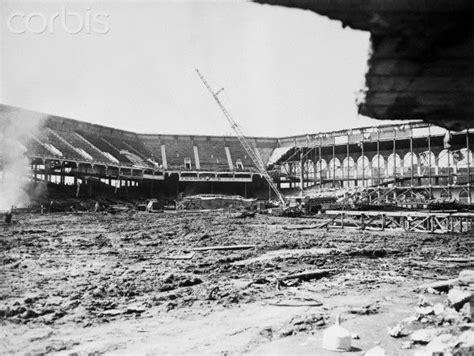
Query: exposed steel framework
x=389 y=163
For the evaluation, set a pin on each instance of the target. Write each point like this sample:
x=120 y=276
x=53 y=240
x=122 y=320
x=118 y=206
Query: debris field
x=227 y=283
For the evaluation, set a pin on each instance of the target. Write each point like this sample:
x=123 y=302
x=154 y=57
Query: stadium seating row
x=147 y=151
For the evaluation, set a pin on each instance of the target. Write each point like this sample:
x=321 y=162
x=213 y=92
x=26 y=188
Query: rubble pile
x=92 y=269
x=442 y=322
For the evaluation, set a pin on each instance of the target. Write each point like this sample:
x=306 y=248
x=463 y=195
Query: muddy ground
x=130 y=283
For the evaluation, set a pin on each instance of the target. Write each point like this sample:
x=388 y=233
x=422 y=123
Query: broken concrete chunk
x=397 y=331
x=423 y=336
x=407 y=345
x=466 y=339
x=440 y=286
x=440 y=344
x=468 y=310
x=423 y=302
x=451 y=316
x=457 y=297
x=425 y=311
x=367 y=310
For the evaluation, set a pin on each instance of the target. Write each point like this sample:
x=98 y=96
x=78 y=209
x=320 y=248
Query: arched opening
x=462 y=157
x=427 y=160
x=445 y=195
x=378 y=166
x=321 y=169
x=348 y=168
x=394 y=165
x=363 y=168
x=410 y=164
x=446 y=167
x=335 y=168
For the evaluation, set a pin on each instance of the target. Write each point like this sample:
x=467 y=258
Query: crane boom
x=256 y=159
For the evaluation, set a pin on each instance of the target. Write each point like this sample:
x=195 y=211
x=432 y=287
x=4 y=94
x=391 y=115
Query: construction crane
x=256 y=159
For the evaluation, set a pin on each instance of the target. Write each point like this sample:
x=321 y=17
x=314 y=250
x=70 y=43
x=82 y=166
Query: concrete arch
x=445 y=195
x=463 y=197
x=348 y=167
x=363 y=167
x=410 y=164
x=394 y=165
x=425 y=157
x=445 y=162
x=378 y=166
x=335 y=168
x=462 y=157
x=427 y=162
x=310 y=169
x=321 y=168
x=445 y=159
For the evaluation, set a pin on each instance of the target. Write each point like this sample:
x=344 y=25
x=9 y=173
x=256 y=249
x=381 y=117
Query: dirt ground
x=130 y=283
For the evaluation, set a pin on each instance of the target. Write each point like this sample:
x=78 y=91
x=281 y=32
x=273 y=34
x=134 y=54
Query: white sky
x=285 y=71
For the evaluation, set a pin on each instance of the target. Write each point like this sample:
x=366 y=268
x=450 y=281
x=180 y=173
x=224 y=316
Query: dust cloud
x=15 y=133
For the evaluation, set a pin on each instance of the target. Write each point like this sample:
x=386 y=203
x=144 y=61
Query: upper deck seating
x=48 y=137
x=212 y=156
x=177 y=151
x=237 y=152
x=34 y=148
x=104 y=146
x=75 y=141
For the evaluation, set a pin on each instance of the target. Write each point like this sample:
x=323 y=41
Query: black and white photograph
x=237 y=177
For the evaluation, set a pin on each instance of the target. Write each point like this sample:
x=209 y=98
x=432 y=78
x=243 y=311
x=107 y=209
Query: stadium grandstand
x=390 y=161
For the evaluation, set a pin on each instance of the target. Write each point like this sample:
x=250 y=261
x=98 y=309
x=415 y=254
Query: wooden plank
x=223 y=248
x=307 y=275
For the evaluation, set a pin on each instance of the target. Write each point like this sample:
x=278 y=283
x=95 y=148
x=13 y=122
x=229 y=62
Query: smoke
x=15 y=133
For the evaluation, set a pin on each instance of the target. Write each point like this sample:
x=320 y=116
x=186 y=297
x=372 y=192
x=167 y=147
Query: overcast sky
x=285 y=71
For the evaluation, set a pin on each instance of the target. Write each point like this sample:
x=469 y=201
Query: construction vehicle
x=256 y=159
